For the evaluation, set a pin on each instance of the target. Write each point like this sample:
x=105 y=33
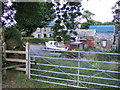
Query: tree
x=8 y=13
x=85 y=25
x=31 y=15
x=117 y=19
x=87 y=15
x=117 y=12
x=66 y=13
x=13 y=40
x=89 y=21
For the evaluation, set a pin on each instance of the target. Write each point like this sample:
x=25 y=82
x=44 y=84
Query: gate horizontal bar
x=75 y=59
x=75 y=74
x=60 y=84
x=75 y=81
x=19 y=52
x=87 y=52
x=76 y=68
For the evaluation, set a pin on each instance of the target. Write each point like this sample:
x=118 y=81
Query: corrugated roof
x=51 y=24
x=103 y=28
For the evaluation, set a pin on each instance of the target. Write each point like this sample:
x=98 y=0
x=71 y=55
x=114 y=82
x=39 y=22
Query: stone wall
x=98 y=44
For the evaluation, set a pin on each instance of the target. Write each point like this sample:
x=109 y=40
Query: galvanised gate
x=79 y=69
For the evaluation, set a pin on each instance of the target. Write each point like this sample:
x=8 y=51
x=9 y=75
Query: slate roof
x=106 y=36
x=103 y=28
x=86 y=32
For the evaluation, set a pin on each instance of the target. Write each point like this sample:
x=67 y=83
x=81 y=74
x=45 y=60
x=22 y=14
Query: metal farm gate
x=79 y=69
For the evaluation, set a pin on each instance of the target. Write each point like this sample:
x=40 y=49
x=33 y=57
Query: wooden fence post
x=4 y=49
x=27 y=58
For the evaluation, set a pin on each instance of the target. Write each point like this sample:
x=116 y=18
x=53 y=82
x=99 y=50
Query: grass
x=83 y=64
x=16 y=79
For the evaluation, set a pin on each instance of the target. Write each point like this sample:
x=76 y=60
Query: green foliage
x=70 y=10
x=36 y=40
x=117 y=12
x=87 y=15
x=89 y=21
x=67 y=39
x=31 y=15
x=75 y=33
x=58 y=39
x=13 y=38
x=116 y=19
x=85 y=25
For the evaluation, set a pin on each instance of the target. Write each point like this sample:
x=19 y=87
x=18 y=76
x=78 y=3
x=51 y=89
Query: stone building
x=44 y=32
x=104 y=36
x=86 y=36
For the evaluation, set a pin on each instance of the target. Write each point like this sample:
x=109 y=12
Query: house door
x=45 y=35
x=38 y=35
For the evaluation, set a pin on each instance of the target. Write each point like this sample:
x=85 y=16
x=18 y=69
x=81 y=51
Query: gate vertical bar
x=29 y=66
x=27 y=58
x=78 y=69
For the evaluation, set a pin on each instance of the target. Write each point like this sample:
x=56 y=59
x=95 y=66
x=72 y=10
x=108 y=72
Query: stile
x=26 y=52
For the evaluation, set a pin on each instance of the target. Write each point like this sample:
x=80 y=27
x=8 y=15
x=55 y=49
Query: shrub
x=13 y=39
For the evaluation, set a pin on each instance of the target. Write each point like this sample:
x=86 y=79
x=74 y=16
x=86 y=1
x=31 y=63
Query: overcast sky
x=101 y=9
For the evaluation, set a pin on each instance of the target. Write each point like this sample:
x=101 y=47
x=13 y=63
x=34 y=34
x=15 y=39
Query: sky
x=101 y=9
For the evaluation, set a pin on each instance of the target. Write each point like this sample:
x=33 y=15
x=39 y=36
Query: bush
x=13 y=39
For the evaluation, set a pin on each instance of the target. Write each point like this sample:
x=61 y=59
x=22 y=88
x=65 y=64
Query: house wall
x=90 y=43
x=98 y=44
x=43 y=32
x=72 y=47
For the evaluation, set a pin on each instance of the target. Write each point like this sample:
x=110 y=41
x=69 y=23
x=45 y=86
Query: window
x=38 y=35
x=50 y=35
x=44 y=29
x=97 y=42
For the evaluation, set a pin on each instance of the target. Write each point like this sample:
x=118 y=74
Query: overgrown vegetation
x=13 y=39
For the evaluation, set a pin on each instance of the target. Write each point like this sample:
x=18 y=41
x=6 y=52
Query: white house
x=44 y=32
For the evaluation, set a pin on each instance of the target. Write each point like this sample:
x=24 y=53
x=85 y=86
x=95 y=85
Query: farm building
x=44 y=32
x=104 y=36
x=86 y=36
